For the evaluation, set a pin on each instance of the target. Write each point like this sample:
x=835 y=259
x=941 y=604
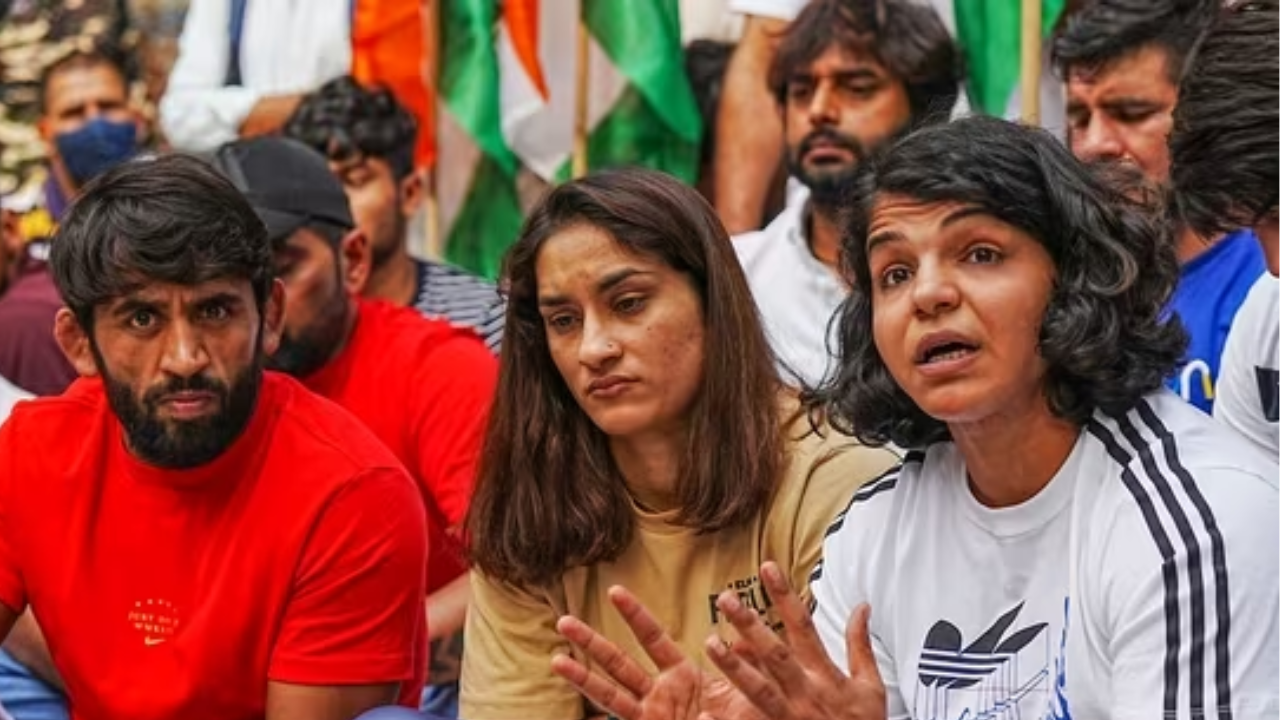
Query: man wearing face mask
x=88 y=127
x=845 y=83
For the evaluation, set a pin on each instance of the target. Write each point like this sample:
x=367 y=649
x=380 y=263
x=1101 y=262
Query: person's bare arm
x=446 y=615
x=748 y=129
x=269 y=115
x=287 y=701
x=26 y=644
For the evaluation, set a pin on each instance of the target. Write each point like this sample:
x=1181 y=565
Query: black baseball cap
x=288 y=184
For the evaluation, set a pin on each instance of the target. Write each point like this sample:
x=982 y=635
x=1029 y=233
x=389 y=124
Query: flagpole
x=582 y=91
x=431 y=76
x=1031 y=19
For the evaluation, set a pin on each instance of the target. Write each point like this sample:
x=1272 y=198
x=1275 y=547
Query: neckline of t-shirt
x=1026 y=517
x=658 y=522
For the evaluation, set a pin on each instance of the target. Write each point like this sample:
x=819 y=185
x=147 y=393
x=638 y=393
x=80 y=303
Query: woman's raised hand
x=792 y=678
x=765 y=676
x=622 y=686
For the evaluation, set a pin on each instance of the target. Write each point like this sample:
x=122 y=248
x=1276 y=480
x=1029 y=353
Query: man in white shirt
x=1224 y=170
x=748 y=153
x=244 y=65
x=844 y=83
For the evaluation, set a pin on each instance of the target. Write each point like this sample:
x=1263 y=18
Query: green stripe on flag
x=488 y=222
x=655 y=123
x=990 y=32
x=490 y=217
x=469 y=74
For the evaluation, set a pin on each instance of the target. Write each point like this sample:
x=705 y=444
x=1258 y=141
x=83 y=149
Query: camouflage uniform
x=35 y=33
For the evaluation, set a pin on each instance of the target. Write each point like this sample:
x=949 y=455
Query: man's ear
x=412 y=193
x=356 y=256
x=273 y=318
x=74 y=342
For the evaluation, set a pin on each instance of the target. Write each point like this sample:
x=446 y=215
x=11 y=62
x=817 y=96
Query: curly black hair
x=343 y=119
x=1107 y=30
x=1224 y=168
x=1106 y=337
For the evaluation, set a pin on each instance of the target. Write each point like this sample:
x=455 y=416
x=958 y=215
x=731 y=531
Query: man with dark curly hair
x=848 y=78
x=1121 y=60
x=1065 y=537
x=369 y=140
x=1225 y=171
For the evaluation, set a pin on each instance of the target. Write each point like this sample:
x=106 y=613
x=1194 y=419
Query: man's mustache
x=195 y=383
x=830 y=137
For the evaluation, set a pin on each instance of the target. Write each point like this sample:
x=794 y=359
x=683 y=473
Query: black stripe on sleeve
x=1191 y=544
x=1217 y=549
x=886 y=480
x=1172 y=624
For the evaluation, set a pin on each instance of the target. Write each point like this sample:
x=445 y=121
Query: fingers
x=857 y=635
x=613 y=660
x=802 y=635
x=592 y=685
x=759 y=688
x=656 y=643
x=772 y=655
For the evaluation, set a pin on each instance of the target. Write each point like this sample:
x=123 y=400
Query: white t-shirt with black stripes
x=1140 y=583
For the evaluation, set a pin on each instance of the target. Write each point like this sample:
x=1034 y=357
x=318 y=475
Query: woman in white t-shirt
x=1065 y=537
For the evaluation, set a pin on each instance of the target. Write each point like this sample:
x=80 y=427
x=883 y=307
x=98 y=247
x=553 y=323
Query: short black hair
x=1224 y=164
x=1106 y=337
x=906 y=37
x=344 y=119
x=1107 y=30
x=169 y=219
x=99 y=54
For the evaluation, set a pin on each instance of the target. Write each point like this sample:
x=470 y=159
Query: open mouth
x=946 y=352
x=827 y=155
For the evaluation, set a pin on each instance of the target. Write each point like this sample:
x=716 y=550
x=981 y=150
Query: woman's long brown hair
x=549 y=496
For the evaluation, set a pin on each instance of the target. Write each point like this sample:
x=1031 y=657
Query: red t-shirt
x=423 y=387
x=295 y=556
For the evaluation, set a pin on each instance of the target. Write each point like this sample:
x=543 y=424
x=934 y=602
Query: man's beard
x=184 y=444
x=1128 y=179
x=829 y=185
x=304 y=352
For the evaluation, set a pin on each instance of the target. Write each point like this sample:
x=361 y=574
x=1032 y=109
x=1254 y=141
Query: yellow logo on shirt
x=156 y=619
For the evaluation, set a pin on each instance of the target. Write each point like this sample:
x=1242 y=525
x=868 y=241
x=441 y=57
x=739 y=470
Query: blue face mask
x=96 y=148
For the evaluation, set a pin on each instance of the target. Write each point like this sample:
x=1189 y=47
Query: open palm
x=620 y=684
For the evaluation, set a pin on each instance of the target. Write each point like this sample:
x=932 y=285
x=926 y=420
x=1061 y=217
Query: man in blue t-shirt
x=1121 y=62
x=1213 y=286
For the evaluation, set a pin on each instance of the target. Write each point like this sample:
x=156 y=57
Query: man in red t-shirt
x=198 y=538
x=421 y=385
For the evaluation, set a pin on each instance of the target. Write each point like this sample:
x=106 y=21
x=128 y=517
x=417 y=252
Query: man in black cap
x=423 y=386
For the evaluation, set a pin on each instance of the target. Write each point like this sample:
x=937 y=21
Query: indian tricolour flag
x=509 y=87
x=989 y=31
